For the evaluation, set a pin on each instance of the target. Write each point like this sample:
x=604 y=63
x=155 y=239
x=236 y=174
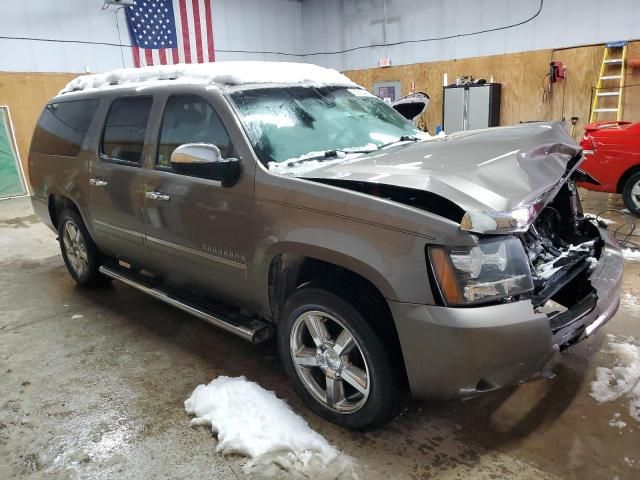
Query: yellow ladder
x=610 y=61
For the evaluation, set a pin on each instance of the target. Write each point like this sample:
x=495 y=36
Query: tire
x=631 y=200
x=323 y=367
x=80 y=254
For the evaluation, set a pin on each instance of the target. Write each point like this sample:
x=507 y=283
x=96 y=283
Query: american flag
x=171 y=31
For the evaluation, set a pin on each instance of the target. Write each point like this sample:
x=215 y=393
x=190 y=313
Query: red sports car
x=612 y=157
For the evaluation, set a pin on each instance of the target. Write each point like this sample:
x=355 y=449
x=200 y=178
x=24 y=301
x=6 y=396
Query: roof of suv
x=220 y=73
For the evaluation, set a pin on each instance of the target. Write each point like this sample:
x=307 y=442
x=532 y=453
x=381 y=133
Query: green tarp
x=11 y=183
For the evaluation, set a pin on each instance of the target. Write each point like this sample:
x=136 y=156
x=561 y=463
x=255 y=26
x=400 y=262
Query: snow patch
x=623 y=378
x=223 y=73
x=252 y=421
x=632 y=254
x=548 y=269
x=76 y=316
x=630 y=300
x=301 y=164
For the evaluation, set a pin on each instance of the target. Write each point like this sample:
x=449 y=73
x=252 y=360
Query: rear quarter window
x=125 y=128
x=63 y=126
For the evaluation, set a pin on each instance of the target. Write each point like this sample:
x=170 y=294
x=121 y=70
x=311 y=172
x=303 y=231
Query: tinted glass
x=190 y=119
x=124 y=130
x=62 y=127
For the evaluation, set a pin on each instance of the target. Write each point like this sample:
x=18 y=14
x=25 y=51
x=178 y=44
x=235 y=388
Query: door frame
x=15 y=149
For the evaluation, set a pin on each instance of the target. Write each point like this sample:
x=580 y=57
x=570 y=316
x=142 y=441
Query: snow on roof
x=223 y=73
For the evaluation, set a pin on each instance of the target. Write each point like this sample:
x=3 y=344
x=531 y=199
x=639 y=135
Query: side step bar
x=250 y=329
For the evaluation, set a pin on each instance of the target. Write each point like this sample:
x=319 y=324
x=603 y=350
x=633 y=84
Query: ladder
x=612 y=71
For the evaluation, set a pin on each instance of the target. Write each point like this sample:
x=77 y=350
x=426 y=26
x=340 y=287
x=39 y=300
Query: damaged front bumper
x=461 y=352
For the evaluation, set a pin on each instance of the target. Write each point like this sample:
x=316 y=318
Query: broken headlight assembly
x=493 y=269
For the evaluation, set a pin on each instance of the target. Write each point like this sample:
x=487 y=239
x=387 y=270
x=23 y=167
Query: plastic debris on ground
x=251 y=421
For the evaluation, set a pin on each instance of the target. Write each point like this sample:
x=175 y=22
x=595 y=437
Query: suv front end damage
x=534 y=284
x=576 y=282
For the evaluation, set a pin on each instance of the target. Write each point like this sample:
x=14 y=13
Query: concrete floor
x=93 y=384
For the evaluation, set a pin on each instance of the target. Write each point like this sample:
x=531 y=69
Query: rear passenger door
x=199 y=233
x=116 y=182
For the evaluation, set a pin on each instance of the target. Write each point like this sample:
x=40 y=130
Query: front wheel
x=80 y=254
x=631 y=194
x=337 y=362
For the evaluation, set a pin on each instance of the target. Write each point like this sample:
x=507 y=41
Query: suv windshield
x=294 y=123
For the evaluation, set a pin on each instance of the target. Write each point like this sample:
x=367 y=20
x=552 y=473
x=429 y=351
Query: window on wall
x=125 y=128
x=63 y=126
x=190 y=119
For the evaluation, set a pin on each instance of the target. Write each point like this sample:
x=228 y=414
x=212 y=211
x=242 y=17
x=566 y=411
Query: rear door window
x=125 y=128
x=63 y=126
x=190 y=119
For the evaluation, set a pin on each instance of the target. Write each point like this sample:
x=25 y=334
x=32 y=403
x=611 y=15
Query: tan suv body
x=403 y=265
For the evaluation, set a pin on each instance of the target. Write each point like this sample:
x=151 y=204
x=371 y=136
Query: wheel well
x=625 y=176
x=288 y=273
x=57 y=204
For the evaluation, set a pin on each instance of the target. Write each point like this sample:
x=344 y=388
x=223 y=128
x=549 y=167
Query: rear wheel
x=631 y=194
x=337 y=362
x=80 y=254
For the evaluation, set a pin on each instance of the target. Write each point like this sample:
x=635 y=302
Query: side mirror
x=205 y=160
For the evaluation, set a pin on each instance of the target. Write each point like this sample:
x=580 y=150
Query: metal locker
x=470 y=107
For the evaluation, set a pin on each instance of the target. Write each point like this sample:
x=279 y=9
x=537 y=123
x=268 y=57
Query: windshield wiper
x=403 y=138
x=327 y=155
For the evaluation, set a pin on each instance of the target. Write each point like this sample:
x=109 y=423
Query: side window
x=124 y=129
x=190 y=119
x=62 y=127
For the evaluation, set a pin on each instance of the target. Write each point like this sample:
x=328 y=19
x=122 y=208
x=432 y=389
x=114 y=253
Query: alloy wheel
x=330 y=362
x=75 y=248
x=635 y=194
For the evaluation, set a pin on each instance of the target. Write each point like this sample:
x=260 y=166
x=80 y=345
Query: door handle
x=98 y=182
x=163 y=197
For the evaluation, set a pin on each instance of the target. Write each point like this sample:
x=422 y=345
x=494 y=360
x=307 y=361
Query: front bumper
x=459 y=352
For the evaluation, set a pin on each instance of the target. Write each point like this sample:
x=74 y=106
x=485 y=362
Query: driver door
x=199 y=233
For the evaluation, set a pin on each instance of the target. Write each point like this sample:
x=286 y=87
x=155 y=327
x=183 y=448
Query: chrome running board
x=250 y=329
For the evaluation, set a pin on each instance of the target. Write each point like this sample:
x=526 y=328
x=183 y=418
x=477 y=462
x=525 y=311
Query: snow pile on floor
x=252 y=421
x=223 y=73
x=623 y=378
x=632 y=254
x=630 y=300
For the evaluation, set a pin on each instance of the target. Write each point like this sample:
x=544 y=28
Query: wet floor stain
x=92 y=385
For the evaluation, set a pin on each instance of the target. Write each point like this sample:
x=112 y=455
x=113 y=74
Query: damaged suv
x=284 y=200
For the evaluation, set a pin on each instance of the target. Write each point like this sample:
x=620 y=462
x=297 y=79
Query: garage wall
x=521 y=75
x=332 y=25
x=247 y=25
x=25 y=94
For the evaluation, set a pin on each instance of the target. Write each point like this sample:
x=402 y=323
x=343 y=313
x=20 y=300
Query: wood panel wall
x=26 y=95
x=521 y=75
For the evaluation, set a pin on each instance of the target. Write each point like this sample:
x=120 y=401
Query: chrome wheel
x=635 y=194
x=75 y=248
x=330 y=362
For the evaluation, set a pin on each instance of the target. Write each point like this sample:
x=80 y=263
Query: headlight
x=493 y=269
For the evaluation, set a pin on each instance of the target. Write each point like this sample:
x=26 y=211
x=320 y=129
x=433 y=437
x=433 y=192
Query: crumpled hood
x=492 y=169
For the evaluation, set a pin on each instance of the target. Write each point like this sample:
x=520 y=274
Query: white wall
x=331 y=25
x=254 y=25
x=302 y=27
